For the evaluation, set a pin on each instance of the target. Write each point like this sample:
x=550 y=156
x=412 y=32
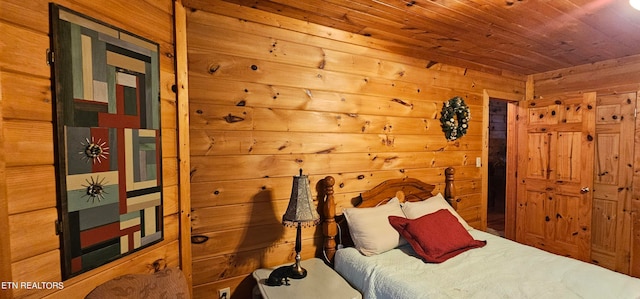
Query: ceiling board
x=519 y=36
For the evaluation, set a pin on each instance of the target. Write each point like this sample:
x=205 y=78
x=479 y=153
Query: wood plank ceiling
x=520 y=36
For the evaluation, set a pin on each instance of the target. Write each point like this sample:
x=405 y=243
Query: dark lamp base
x=297 y=272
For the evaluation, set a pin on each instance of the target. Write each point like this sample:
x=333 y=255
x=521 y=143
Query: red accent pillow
x=435 y=237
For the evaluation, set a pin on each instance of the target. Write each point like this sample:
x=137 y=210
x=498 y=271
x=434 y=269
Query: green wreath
x=455 y=118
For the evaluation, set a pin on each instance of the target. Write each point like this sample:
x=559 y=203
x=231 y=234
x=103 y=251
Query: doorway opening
x=497 y=166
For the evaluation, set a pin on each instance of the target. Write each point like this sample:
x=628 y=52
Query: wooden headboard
x=407 y=189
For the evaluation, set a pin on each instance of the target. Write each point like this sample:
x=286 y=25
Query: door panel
x=555 y=175
x=567 y=220
x=538 y=160
x=607 y=157
x=604 y=229
x=611 y=216
x=534 y=208
x=568 y=156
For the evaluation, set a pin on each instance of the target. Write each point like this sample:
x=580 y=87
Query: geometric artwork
x=108 y=145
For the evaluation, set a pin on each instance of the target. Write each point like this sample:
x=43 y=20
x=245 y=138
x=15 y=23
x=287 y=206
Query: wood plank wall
x=30 y=251
x=607 y=77
x=270 y=95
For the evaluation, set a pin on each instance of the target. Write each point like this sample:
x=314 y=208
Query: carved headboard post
x=449 y=188
x=329 y=226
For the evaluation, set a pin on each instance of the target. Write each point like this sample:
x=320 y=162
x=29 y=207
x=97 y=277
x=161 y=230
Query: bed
x=461 y=262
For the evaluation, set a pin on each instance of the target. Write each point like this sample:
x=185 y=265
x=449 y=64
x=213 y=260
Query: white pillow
x=417 y=209
x=370 y=229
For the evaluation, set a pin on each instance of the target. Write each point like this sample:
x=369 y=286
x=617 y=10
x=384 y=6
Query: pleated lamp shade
x=301 y=210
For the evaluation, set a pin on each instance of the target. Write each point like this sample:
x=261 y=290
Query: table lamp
x=300 y=212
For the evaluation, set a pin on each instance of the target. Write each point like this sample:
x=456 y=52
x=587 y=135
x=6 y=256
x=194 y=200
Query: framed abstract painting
x=107 y=124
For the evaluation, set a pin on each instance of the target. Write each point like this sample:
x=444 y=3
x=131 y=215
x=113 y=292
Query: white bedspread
x=501 y=269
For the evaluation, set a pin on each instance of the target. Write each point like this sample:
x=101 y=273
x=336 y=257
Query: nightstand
x=321 y=282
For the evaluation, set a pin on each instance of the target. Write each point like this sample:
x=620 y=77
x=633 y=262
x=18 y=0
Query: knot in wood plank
x=233 y=118
x=213 y=68
x=403 y=103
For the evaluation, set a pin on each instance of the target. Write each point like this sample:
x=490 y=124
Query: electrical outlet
x=224 y=293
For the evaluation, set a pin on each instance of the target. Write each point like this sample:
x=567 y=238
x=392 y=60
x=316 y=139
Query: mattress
x=501 y=269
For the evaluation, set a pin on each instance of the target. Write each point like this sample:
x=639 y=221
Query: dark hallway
x=497 y=166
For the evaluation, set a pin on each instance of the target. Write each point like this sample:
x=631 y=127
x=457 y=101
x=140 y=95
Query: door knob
x=584 y=190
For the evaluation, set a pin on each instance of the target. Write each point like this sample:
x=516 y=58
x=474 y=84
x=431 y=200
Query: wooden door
x=555 y=174
x=613 y=177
